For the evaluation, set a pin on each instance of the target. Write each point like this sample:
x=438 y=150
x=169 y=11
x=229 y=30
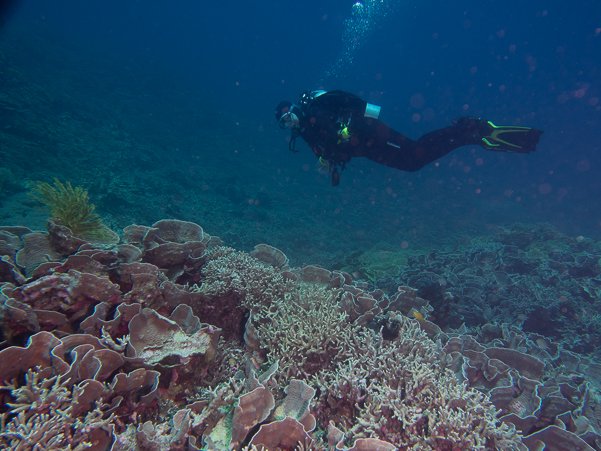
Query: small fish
x=418 y=316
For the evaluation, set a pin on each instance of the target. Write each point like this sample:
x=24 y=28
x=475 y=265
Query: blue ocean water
x=166 y=110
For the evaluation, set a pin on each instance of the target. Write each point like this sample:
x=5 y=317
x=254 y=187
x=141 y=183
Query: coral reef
x=170 y=340
x=376 y=263
x=534 y=278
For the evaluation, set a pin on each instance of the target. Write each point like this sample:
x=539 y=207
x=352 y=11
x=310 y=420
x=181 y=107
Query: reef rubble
x=170 y=340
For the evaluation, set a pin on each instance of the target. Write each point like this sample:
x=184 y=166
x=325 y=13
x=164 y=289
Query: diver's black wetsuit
x=325 y=115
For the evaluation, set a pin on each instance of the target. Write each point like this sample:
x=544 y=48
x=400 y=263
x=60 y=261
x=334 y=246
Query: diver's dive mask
x=287 y=115
x=289 y=120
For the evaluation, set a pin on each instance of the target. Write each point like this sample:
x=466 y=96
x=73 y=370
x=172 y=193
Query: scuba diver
x=339 y=126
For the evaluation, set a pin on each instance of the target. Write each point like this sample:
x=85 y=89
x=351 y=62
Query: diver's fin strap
x=494 y=141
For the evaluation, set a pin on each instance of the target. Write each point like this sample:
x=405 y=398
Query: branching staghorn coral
x=47 y=416
x=305 y=331
x=233 y=273
x=70 y=207
x=401 y=392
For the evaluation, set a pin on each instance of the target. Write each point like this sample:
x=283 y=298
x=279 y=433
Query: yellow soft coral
x=70 y=207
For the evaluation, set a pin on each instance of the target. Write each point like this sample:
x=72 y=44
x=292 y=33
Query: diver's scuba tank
x=307 y=97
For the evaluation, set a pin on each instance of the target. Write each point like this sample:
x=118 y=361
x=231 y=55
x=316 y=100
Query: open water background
x=165 y=109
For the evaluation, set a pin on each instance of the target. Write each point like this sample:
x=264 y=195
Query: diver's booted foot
x=469 y=129
x=470 y=123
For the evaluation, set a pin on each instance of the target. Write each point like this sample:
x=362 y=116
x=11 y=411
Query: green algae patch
x=377 y=263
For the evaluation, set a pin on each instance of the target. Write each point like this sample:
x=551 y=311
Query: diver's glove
x=322 y=166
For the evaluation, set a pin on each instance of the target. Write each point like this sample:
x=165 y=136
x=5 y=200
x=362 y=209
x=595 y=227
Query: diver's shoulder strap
x=307 y=98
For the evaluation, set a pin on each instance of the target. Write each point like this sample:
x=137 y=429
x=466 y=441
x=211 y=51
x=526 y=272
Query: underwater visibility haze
x=173 y=277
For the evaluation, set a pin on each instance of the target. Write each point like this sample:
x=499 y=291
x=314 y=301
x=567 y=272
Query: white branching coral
x=48 y=415
x=229 y=272
x=306 y=331
x=402 y=392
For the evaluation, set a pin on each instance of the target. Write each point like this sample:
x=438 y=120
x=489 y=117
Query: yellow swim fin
x=509 y=138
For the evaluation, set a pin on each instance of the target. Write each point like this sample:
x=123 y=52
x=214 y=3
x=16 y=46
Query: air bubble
x=366 y=17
